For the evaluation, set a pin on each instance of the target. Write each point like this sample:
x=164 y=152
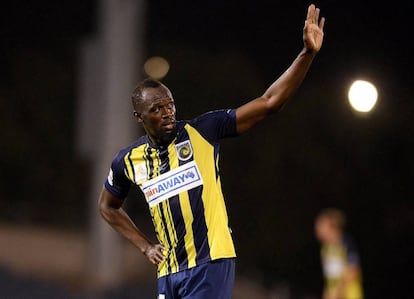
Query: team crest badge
x=184 y=150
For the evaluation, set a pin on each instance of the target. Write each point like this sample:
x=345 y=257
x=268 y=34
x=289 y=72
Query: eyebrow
x=157 y=100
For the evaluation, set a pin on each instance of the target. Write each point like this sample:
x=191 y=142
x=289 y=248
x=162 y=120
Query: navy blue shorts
x=214 y=279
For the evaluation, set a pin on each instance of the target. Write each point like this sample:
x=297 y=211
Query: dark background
x=315 y=153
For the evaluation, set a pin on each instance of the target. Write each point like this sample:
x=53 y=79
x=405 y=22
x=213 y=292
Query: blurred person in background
x=176 y=166
x=339 y=256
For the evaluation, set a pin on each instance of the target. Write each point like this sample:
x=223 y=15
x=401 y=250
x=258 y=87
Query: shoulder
x=214 y=125
x=348 y=241
x=119 y=157
x=351 y=249
x=214 y=116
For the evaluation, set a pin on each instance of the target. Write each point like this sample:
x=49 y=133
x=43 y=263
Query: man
x=176 y=166
x=340 y=259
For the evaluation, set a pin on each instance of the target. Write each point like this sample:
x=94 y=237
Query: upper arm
x=107 y=200
x=251 y=113
x=117 y=183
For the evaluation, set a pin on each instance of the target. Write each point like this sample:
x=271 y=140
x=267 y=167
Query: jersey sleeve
x=216 y=125
x=117 y=182
x=352 y=251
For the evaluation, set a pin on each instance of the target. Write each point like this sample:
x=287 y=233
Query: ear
x=138 y=117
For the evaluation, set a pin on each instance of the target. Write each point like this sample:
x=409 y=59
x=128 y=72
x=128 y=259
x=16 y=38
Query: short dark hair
x=336 y=216
x=137 y=93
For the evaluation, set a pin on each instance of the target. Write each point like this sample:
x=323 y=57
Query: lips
x=169 y=125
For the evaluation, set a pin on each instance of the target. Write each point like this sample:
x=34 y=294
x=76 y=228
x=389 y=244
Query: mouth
x=168 y=125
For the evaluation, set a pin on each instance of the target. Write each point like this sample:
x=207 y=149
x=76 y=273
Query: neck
x=164 y=139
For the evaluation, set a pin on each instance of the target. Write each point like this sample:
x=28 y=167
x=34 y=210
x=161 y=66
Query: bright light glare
x=156 y=67
x=362 y=96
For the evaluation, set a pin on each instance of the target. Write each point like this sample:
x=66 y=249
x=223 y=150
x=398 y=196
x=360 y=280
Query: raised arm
x=111 y=210
x=248 y=115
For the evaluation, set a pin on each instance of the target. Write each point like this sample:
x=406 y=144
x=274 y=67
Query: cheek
x=152 y=121
x=320 y=230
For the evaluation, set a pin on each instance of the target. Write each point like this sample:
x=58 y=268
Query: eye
x=156 y=109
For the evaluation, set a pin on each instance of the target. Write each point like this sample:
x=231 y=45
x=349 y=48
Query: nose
x=167 y=112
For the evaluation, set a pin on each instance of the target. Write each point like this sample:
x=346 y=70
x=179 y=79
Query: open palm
x=313 y=30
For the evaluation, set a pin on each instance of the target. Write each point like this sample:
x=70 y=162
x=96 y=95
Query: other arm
x=111 y=210
x=248 y=115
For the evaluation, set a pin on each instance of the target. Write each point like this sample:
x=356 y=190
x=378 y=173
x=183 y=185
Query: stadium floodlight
x=362 y=96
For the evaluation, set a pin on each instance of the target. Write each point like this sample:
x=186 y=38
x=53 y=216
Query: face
x=157 y=114
x=324 y=230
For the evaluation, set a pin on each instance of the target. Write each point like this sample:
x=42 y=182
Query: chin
x=167 y=136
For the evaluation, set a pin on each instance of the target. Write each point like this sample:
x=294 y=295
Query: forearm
x=276 y=95
x=251 y=113
x=286 y=85
x=122 y=223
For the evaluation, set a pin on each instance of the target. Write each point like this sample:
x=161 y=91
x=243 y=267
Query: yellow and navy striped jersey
x=335 y=259
x=181 y=183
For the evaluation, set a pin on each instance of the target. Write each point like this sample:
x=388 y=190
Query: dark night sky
x=323 y=153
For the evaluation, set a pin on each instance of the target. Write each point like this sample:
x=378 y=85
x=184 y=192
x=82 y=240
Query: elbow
x=103 y=205
x=276 y=97
x=108 y=206
x=274 y=103
x=106 y=212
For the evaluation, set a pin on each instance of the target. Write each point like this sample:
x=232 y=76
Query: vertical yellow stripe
x=135 y=157
x=128 y=171
x=188 y=238
x=170 y=226
x=161 y=233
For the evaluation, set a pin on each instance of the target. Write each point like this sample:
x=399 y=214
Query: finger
x=311 y=10
x=160 y=259
x=155 y=260
x=160 y=247
x=316 y=16
x=160 y=256
x=322 y=23
x=161 y=250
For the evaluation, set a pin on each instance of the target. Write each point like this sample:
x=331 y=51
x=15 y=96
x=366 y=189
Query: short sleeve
x=216 y=125
x=117 y=182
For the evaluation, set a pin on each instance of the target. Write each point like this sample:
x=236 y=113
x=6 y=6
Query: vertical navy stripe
x=131 y=165
x=216 y=156
x=179 y=225
x=199 y=224
x=150 y=163
x=167 y=236
x=164 y=161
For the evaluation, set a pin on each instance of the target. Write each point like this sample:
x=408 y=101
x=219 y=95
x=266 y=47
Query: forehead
x=152 y=95
x=322 y=220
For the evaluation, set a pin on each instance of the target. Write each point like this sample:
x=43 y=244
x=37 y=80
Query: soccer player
x=176 y=166
x=340 y=259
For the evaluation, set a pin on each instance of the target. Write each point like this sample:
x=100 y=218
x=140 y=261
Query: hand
x=313 y=30
x=155 y=253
